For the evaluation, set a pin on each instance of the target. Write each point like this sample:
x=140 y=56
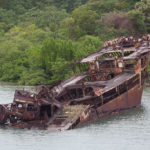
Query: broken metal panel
x=127 y=100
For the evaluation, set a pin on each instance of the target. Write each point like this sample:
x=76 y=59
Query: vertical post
x=102 y=99
x=52 y=110
x=79 y=67
x=122 y=52
x=83 y=89
x=140 y=74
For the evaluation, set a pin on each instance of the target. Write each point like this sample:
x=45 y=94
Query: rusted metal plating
x=113 y=81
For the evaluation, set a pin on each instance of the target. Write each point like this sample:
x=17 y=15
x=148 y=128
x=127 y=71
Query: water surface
x=128 y=131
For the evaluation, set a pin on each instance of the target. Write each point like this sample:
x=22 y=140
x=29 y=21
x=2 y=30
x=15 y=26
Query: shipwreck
x=110 y=80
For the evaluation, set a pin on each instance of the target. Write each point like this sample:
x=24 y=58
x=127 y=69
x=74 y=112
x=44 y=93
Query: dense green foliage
x=40 y=40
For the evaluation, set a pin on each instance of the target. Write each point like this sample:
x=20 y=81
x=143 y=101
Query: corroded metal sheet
x=129 y=99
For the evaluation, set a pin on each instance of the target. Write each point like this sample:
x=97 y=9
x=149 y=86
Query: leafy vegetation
x=39 y=40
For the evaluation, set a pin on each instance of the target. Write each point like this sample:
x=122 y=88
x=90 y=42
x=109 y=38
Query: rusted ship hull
x=113 y=83
x=124 y=102
x=129 y=99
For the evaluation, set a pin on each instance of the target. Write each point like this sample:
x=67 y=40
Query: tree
x=72 y=30
x=139 y=19
x=61 y=70
x=52 y=49
x=7 y=19
x=85 y=19
x=69 y=5
x=143 y=8
x=47 y=18
x=88 y=45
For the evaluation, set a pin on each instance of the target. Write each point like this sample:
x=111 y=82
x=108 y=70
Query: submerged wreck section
x=110 y=80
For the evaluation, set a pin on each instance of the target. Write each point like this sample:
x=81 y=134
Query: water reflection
x=132 y=114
